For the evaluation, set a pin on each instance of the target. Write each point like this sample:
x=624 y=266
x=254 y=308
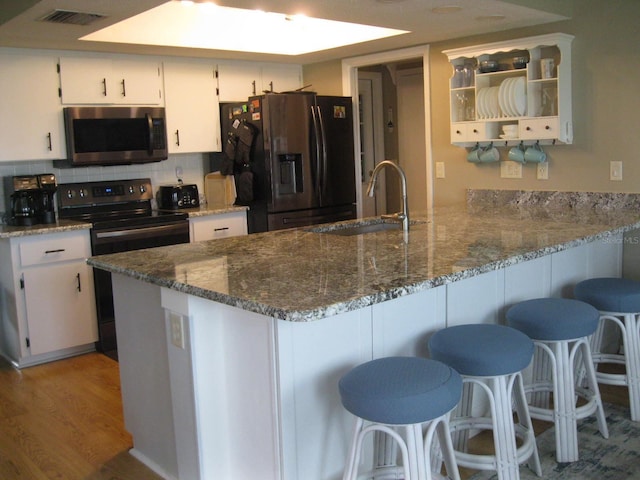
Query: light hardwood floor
x=63 y=420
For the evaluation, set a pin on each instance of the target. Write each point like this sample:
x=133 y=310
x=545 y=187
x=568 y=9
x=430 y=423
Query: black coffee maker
x=48 y=187
x=32 y=200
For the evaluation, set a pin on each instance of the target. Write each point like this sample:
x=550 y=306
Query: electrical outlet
x=615 y=171
x=543 y=171
x=510 y=169
x=179 y=172
x=176 y=325
x=439 y=169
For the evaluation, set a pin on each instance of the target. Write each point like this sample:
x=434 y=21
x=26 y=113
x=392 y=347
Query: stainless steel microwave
x=114 y=135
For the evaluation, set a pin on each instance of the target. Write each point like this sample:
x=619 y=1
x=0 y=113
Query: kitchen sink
x=359 y=228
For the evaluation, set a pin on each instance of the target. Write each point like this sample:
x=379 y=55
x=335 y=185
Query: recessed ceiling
x=204 y=25
x=20 y=24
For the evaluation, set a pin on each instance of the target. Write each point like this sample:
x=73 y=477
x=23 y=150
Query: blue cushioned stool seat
x=561 y=328
x=618 y=300
x=392 y=395
x=554 y=318
x=482 y=350
x=490 y=359
x=400 y=390
x=610 y=294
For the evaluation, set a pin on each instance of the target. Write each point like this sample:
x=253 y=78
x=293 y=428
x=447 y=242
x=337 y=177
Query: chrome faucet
x=403 y=215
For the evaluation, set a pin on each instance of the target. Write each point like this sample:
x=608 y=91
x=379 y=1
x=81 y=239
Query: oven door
x=113 y=240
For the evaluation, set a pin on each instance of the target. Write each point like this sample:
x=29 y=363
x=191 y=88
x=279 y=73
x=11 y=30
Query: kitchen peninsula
x=230 y=350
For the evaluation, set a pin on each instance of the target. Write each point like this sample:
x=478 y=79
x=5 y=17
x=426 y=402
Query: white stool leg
x=590 y=376
x=504 y=431
x=461 y=437
x=351 y=467
x=564 y=405
x=632 y=357
x=524 y=418
x=440 y=426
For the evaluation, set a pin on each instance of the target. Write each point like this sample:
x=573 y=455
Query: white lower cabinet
x=220 y=225
x=49 y=307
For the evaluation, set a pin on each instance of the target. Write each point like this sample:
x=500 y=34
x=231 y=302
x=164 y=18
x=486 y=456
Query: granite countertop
x=8 y=231
x=207 y=210
x=299 y=275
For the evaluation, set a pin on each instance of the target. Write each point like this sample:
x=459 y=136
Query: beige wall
x=606 y=108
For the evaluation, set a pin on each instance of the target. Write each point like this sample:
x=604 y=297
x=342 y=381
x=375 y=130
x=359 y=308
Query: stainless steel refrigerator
x=301 y=159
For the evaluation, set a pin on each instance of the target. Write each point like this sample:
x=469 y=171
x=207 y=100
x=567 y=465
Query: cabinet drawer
x=539 y=128
x=218 y=226
x=53 y=248
x=473 y=131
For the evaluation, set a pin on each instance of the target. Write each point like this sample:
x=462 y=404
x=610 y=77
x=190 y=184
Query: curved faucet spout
x=403 y=215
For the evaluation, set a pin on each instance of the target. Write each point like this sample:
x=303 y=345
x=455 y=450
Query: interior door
x=411 y=142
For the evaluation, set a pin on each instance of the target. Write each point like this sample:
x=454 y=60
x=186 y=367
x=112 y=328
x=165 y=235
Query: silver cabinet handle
x=57 y=250
x=79 y=284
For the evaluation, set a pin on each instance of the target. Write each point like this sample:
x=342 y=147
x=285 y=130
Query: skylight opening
x=209 y=26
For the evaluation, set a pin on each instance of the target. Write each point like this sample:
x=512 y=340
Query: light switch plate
x=615 y=171
x=510 y=169
x=176 y=324
x=543 y=171
x=439 y=169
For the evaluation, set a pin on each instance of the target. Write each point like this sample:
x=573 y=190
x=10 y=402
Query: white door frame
x=350 y=89
x=376 y=124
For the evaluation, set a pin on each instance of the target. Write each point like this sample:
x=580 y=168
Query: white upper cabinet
x=238 y=81
x=31 y=124
x=110 y=81
x=528 y=86
x=193 y=114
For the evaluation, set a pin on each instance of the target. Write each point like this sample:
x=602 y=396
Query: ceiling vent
x=73 y=18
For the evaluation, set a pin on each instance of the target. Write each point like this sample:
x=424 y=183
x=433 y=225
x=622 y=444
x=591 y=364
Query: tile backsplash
x=193 y=167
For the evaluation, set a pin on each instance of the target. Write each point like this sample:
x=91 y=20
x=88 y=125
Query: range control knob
x=143 y=188
x=131 y=190
x=71 y=193
x=82 y=192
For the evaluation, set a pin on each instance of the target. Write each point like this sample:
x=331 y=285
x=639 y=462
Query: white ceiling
x=20 y=24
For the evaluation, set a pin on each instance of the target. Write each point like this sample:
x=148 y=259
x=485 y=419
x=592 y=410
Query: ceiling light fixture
x=446 y=9
x=209 y=26
x=490 y=18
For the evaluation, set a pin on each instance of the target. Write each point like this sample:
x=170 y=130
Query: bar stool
x=560 y=329
x=401 y=394
x=491 y=357
x=618 y=300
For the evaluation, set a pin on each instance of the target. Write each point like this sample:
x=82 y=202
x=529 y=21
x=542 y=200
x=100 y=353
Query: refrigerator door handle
x=317 y=145
x=323 y=175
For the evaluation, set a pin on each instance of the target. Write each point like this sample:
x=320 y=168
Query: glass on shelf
x=458 y=77
x=464 y=107
x=549 y=101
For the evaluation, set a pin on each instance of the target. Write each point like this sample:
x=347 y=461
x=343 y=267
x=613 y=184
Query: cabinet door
x=281 y=78
x=60 y=306
x=218 y=226
x=136 y=82
x=31 y=124
x=238 y=81
x=96 y=81
x=85 y=80
x=193 y=115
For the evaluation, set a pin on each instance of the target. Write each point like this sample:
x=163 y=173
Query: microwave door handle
x=150 y=128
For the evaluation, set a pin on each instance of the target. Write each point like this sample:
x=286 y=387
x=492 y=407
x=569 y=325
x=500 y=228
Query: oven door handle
x=138 y=233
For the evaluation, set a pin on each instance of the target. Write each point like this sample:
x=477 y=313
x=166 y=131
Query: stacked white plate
x=489 y=102
x=512 y=97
